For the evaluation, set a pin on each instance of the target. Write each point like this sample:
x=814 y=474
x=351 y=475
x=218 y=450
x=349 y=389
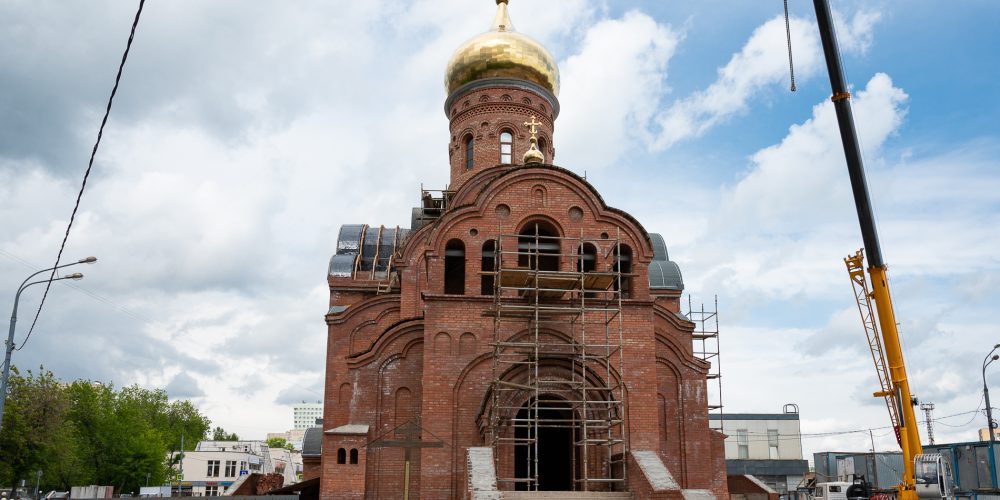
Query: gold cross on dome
x=532 y=125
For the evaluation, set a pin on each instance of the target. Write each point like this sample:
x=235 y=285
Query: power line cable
x=86 y=175
x=758 y=437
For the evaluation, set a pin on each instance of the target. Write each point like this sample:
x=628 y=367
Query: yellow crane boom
x=889 y=356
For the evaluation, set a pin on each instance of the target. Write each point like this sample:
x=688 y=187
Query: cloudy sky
x=245 y=133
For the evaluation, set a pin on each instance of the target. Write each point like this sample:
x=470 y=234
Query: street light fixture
x=989 y=415
x=13 y=320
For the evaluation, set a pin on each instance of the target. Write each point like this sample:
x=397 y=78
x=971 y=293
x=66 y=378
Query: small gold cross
x=532 y=125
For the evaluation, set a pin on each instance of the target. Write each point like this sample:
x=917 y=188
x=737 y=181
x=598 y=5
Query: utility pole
x=180 y=481
x=871 y=436
x=928 y=409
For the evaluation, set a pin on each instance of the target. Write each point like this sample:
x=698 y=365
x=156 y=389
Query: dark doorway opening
x=556 y=452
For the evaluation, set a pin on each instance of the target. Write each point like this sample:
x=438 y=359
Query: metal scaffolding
x=557 y=359
x=705 y=338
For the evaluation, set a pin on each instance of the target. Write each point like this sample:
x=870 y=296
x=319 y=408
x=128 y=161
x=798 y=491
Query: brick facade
x=405 y=350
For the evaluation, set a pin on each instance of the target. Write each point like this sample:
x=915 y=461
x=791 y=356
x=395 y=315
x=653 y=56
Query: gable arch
x=408 y=331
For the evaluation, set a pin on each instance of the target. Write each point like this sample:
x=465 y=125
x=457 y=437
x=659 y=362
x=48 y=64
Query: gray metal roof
x=753 y=416
x=312 y=442
x=665 y=275
x=349 y=239
x=342 y=265
x=366 y=249
x=659 y=247
x=350 y=429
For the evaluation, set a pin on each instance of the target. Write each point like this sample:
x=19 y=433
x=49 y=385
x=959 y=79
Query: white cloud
x=610 y=89
x=856 y=35
x=803 y=180
x=763 y=61
x=238 y=147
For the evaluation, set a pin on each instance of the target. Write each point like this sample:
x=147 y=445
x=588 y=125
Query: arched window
x=541 y=145
x=454 y=268
x=586 y=262
x=506 y=147
x=488 y=267
x=354 y=455
x=538 y=247
x=341 y=456
x=587 y=258
x=468 y=151
x=623 y=265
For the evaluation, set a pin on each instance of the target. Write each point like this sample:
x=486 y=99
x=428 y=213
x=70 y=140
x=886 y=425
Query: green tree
x=35 y=434
x=279 y=442
x=220 y=434
x=90 y=433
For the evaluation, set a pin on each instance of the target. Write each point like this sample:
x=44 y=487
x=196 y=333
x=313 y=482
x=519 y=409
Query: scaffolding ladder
x=557 y=359
x=705 y=339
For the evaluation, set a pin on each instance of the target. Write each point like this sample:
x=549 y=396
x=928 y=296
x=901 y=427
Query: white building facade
x=293 y=437
x=765 y=445
x=214 y=466
x=304 y=415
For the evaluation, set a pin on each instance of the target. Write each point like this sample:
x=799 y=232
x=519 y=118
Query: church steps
x=555 y=495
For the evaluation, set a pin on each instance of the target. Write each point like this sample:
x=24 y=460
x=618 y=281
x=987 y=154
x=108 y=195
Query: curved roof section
x=664 y=274
x=659 y=247
x=366 y=252
x=312 y=442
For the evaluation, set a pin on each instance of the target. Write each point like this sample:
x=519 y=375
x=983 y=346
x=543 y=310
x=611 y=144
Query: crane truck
x=924 y=475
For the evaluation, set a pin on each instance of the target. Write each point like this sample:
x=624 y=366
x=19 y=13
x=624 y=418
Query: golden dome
x=502 y=53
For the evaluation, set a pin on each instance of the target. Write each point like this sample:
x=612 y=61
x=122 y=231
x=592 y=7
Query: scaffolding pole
x=557 y=356
x=705 y=338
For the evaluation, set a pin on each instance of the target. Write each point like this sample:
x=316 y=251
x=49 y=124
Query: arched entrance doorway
x=554 y=428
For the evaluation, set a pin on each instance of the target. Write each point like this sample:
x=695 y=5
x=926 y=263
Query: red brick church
x=521 y=335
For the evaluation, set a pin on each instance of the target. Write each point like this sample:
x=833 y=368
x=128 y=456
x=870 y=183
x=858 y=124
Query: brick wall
x=483 y=114
x=422 y=353
x=344 y=481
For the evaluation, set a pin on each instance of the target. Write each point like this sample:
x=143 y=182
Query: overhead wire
x=757 y=437
x=86 y=174
x=96 y=296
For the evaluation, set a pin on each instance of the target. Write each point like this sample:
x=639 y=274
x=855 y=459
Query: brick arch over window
x=488 y=268
x=623 y=265
x=344 y=395
x=538 y=245
x=586 y=258
x=402 y=411
x=467 y=344
x=506 y=137
x=468 y=151
x=442 y=344
x=454 y=267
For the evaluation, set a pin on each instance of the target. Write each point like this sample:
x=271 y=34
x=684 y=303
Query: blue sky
x=245 y=134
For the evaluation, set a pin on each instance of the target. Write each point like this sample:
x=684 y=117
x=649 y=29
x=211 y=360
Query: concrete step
x=565 y=495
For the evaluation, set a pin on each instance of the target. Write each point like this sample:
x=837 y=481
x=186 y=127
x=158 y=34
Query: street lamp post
x=13 y=320
x=989 y=415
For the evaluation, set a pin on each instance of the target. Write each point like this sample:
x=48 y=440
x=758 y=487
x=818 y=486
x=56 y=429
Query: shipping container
x=882 y=470
x=970 y=464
